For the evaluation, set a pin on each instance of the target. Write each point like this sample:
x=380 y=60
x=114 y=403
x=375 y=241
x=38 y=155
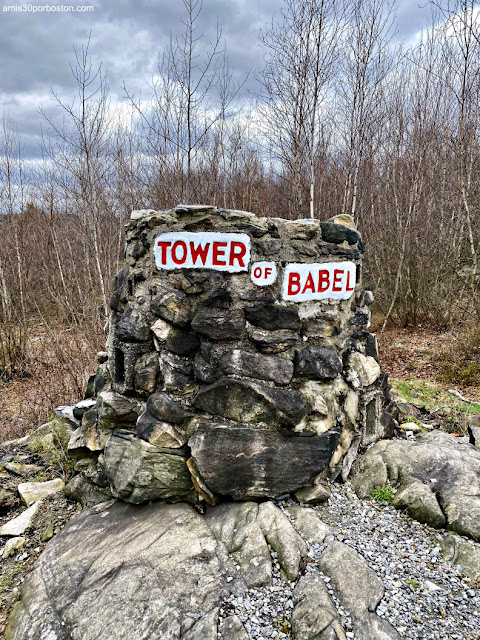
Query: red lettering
x=309 y=284
x=293 y=281
x=337 y=276
x=199 y=251
x=183 y=246
x=163 y=247
x=237 y=255
x=323 y=280
x=347 y=286
x=268 y=271
x=257 y=272
x=218 y=252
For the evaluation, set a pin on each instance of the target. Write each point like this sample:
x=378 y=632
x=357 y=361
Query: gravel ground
x=424 y=597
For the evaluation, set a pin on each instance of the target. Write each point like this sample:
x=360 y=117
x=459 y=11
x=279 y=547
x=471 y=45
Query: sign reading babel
x=231 y=252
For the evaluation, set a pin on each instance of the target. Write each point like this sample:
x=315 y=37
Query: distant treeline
x=344 y=121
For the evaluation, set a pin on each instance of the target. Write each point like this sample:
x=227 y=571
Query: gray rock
x=129 y=573
x=314 y=612
x=420 y=503
x=309 y=524
x=159 y=433
x=91 y=434
x=139 y=472
x=12 y=545
x=474 y=434
x=273 y=341
x=182 y=342
x=272 y=317
x=319 y=363
x=243 y=463
x=282 y=537
x=231 y=628
x=82 y=406
x=449 y=471
x=236 y=526
x=86 y=492
x=177 y=372
x=173 y=306
x=357 y=585
x=253 y=365
x=115 y=410
x=162 y=407
x=314 y=494
x=33 y=491
x=338 y=233
x=132 y=327
x=457 y=550
x=120 y=289
x=219 y=324
x=359 y=589
x=146 y=372
x=17 y=526
x=250 y=402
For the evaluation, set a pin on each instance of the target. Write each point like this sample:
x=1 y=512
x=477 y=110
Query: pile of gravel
x=424 y=597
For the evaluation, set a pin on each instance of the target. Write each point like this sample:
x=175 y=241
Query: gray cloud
x=127 y=36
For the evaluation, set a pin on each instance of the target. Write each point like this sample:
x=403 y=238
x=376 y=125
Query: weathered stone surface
x=245 y=463
x=138 y=471
x=449 y=470
x=12 y=545
x=182 y=342
x=33 y=491
x=91 y=434
x=313 y=494
x=219 y=324
x=173 y=306
x=344 y=219
x=314 y=613
x=319 y=363
x=419 y=501
x=231 y=628
x=249 y=402
x=17 y=526
x=458 y=551
x=283 y=538
x=85 y=492
x=309 y=524
x=159 y=433
x=142 y=573
x=338 y=233
x=362 y=370
x=132 y=327
x=359 y=589
x=161 y=330
x=120 y=289
x=116 y=410
x=273 y=341
x=82 y=406
x=253 y=365
x=236 y=526
x=177 y=372
x=273 y=316
x=146 y=372
x=162 y=407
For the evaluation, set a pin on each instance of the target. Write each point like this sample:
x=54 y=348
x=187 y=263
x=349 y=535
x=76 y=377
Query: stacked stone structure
x=220 y=378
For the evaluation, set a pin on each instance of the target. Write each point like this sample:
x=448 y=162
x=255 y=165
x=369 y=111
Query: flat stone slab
x=33 y=491
x=21 y=523
x=438 y=479
x=243 y=463
x=150 y=572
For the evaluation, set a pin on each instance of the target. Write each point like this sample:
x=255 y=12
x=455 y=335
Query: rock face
x=163 y=571
x=215 y=382
x=438 y=479
x=129 y=573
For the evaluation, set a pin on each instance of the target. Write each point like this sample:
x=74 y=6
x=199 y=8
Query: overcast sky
x=127 y=36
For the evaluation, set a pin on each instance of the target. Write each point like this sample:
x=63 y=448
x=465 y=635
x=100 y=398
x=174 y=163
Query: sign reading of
x=334 y=280
x=203 y=250
x=263 y=273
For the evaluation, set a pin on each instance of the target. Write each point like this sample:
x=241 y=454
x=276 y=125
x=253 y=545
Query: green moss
x=430 y=395
x=383 y=494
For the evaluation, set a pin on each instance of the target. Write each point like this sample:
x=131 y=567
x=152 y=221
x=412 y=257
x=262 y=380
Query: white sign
x=263 y=273
x=203 y=250
x=334 y=280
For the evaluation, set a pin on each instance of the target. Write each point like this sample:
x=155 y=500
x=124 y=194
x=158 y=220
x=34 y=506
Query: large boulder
x=129 y=573
x=438 y=479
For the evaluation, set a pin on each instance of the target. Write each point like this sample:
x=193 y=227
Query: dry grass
x=58 y=364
